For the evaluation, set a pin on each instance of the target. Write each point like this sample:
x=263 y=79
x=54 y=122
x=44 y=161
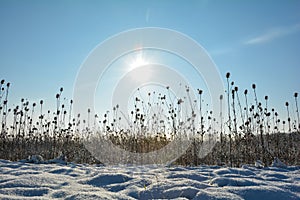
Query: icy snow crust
x=19 y=180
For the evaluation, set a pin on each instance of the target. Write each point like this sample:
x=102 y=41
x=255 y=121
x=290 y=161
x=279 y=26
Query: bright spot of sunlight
x=137 y=61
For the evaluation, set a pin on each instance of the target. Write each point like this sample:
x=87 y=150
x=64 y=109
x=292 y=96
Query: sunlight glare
x=137 y=61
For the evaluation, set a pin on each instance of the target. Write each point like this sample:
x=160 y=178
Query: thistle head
x=266 y=98
x=200 y=91
x=227 y=75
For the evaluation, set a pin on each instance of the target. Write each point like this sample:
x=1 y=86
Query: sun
x=138 y=60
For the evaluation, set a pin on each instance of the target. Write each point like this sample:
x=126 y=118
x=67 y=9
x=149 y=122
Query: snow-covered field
x=20 y=180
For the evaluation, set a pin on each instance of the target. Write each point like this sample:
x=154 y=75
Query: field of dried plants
x=247 y=131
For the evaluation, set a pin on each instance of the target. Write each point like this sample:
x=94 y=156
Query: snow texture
x=38 y=179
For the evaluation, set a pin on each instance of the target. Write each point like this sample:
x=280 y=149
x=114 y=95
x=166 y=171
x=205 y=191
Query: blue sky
x=44 y=43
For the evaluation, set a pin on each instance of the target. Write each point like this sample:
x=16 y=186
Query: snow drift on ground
x=60 y=180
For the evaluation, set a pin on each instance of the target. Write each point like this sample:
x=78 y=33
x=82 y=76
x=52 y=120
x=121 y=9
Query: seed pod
x=227 y=75
x=266 y=98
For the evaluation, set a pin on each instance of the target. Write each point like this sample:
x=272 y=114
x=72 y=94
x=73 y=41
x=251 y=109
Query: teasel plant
x=229 y=118
x=297 y=111
x=288 y=116
x=4 y=104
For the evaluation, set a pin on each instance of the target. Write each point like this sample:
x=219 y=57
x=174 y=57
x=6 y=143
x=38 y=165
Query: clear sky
x=44 y=43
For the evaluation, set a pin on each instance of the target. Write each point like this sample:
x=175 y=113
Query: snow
x=35 y=178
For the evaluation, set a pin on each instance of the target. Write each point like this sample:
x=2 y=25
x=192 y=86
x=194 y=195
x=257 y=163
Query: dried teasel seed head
x=296 y=95
x=61 y=89
x=2 y=81
x=57 y=96
x=246 y=92
x=221 y=97
x=200 y=91
x=266 y=98
x=253 y=86
x=227 y=75
x=8 y=84
x=236 y=88
x=41 y=102
x=286 y=103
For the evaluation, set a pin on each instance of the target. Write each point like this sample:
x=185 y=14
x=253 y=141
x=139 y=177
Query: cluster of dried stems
x=250 y=130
